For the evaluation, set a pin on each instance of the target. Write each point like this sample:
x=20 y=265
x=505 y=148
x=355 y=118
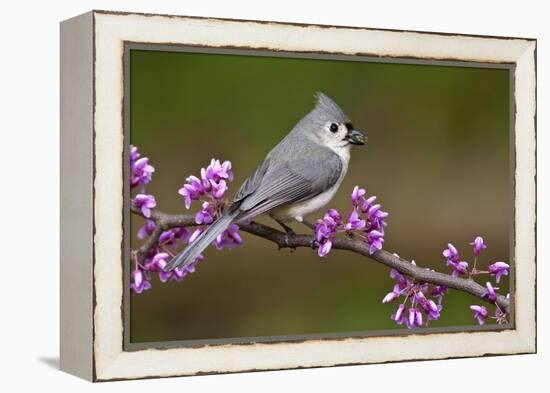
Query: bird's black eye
x=333 y=127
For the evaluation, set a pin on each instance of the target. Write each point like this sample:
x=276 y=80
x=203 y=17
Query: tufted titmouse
x=299 y=176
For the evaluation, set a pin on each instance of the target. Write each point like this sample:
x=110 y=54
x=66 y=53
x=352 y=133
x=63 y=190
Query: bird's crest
x=327 y=107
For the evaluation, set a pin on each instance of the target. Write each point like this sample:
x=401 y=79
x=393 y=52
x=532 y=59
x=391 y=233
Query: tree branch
x=166 y=221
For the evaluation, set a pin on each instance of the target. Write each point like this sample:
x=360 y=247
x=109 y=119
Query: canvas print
x=276 y=197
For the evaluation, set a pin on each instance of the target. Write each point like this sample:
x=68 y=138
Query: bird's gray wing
x=253 y=182
x=289 y=181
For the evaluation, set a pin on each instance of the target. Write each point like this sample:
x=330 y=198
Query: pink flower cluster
x=496 y=269
x=209 y=189
x=158 y=257
x=422 y=308
x=141 y=172
x=212 y=183
x=366 y=220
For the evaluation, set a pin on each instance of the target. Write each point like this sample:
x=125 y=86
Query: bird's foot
x=289 y=234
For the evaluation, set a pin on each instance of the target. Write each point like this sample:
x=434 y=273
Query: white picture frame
x=92 y=194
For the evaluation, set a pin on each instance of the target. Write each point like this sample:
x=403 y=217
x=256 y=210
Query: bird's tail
x=194 y=249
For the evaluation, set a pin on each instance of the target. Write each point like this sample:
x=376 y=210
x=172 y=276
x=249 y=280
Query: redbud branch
x=163 y=222
x=166 y=221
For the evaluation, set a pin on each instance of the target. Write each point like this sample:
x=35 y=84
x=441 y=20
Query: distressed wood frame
x=92 y=156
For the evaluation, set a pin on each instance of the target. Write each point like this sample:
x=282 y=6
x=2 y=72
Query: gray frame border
x=260 y=52
x=77 y=171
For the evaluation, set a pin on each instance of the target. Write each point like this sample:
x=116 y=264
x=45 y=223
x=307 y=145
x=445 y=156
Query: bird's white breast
x=297 y=211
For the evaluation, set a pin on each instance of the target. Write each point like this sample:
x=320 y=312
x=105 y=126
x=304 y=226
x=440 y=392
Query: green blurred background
x=437 y=158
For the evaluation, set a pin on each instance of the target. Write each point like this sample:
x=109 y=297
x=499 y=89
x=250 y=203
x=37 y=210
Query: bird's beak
x=355 y=137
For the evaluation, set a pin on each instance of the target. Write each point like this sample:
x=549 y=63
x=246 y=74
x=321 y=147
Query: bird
x=299 y=176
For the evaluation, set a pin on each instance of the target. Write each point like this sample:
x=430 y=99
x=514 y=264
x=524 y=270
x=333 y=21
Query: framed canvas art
x=246 y=195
